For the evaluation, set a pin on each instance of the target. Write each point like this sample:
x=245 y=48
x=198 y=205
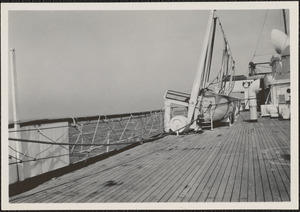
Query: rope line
x=19 y=153
x=260 y=35
x=11 y=156
x=228 y=64
x=66 y=144
x=101 y=145
x=44 y=128
x=37 y=159
x=51 y=139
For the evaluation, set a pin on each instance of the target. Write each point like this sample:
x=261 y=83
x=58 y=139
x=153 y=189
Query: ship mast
x=201 y=75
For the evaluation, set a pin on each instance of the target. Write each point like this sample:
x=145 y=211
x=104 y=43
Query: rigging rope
x=260 y=35
x=228 y=65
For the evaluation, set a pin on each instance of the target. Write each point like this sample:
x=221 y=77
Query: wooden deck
x=247 y=162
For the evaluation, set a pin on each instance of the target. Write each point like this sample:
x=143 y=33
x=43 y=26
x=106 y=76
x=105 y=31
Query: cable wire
x=260 y=34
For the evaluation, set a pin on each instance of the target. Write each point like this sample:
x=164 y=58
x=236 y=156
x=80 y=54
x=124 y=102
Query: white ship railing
x=45 y=145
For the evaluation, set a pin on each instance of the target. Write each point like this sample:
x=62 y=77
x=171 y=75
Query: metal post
x=107 y=147
x=81 y=134
x=211 y=119
x=284 y=22
x=198 y=82
x=253 y=89
x=167 y=116
x=13 y=77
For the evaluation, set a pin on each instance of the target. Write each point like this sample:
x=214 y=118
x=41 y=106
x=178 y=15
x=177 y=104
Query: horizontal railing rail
x=43 y=142
x=82 y=118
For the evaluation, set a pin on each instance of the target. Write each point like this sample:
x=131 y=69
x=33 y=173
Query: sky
x=84 y=63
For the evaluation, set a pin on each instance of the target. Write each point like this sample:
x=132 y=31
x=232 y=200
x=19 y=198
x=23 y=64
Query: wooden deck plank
x=220 y=147
x=282 y=147
x=243 y=197
x=174 y=183
x=224 y=183
x=209 y=194
x=92 y=184
x=177 y=157
x=90 y=172
x=258 y=175
x=140 y=189
x=164 y=188
x=145 y=177
x=133 y=165
x=139 y=167
x=270 y=188
x=186 y=196
x=230 y=183
x=284 y=165
x=201 y=169
x=118 y=180
x=165 y=178
x=185 y=188
x=265 y=185
x=244 y=164
x=186 y=192
x=251 y=171
x=238 y=178
x=280 y=176
x=184 y=183
x=269 y=178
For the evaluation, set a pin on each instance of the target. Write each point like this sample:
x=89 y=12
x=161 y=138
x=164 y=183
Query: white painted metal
x=178 y=124
x=198 y=82
x=286 y=113
x=280 y=41
x=264 y=110
x=14 y=94
x=167 y=116
x=41 y=158
x=253 y=89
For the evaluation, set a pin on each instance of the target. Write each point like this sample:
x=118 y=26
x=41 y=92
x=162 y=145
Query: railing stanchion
x=107 y=147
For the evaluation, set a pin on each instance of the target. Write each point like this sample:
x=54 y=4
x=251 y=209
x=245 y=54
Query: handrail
x=79 y=119
x=98 y=133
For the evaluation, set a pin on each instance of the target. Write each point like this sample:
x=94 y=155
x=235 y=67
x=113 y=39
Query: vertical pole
x=14 y=88
x=13 y=77
x=81 y=135
x=210 y=53
x=198 y=82
x=246 y=98
x=107 y=147
x=211 y=119
x=253 y=89
x=167 y=116
x=284 y=22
